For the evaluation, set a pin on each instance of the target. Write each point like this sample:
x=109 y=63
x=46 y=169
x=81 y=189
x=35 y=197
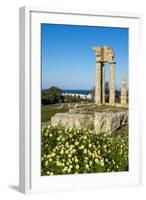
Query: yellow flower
x=90 y=145
x=61 y=152
x=98 y=151
x=96 y=161
x=87 y=166
x=53 y=154
x=81 y=147
x=69 y=155
x=90 y=162
x=65 y=169
x=67 y=144
x=77 y=166
x=67 y=163
x=69 y=170
x=102 y=163
x=46 y=163
x=46 y=134
x=85 y=150
x=76 y=143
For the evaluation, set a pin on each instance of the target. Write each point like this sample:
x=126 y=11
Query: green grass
x=103 y=108
x=48 y=111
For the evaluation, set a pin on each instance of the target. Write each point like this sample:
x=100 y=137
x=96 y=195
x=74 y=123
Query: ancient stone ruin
x=101 y=122
x=106 y=121
x=106 y=55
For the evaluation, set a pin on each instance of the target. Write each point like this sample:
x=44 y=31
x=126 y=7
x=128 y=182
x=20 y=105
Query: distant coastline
x=74 y=91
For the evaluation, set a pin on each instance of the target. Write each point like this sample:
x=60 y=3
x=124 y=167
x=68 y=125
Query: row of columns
x=100 y=83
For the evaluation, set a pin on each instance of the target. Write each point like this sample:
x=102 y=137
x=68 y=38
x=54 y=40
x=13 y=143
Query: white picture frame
x=30 y=73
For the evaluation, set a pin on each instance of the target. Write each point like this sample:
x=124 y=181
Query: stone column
x=98 y=83
x=103 y=83
x=123 y=91
x=112 y=83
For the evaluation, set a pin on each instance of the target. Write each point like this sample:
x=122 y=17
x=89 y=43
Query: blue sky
x=68 y=60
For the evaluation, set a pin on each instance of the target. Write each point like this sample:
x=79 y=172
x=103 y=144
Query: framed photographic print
x=79 y=100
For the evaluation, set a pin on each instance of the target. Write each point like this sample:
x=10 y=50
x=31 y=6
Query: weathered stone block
x=73 y=120
x=107 y=122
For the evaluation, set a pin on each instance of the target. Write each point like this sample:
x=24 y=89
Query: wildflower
x=90 y=145
x=81 y=147
x=85 y=150
x=67 y=144
x=90 y=162
x=113 y=162
x=66 y=151
x=102 y=163
x=65 y=169
x=67 y=163
x=96 y=161
x=76 y=143
x=69 y=170
x=87 y=166
x=69 y=155
x=46 y=163
x=54 y=150
x=46 y=134
x=61 y=152
x=77 y=166
x=53 y=154
x=85 y=137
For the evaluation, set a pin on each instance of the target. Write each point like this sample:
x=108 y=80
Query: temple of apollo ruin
x=104 y=120
x=106 y=55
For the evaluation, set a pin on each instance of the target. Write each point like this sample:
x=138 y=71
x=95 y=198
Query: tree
x=52 y=95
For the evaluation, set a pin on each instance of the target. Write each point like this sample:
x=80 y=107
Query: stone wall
x=106 y=122
x=73 y=120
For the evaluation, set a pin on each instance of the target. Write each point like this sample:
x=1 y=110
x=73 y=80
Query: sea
x=85 y=92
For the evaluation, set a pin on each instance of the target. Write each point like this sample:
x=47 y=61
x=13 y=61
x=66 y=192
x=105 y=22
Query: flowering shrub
x=74 y=151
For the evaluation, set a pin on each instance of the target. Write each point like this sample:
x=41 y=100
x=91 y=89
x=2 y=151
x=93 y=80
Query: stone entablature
x=104 y=54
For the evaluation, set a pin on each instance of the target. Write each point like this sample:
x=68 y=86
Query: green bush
x=72 y=151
